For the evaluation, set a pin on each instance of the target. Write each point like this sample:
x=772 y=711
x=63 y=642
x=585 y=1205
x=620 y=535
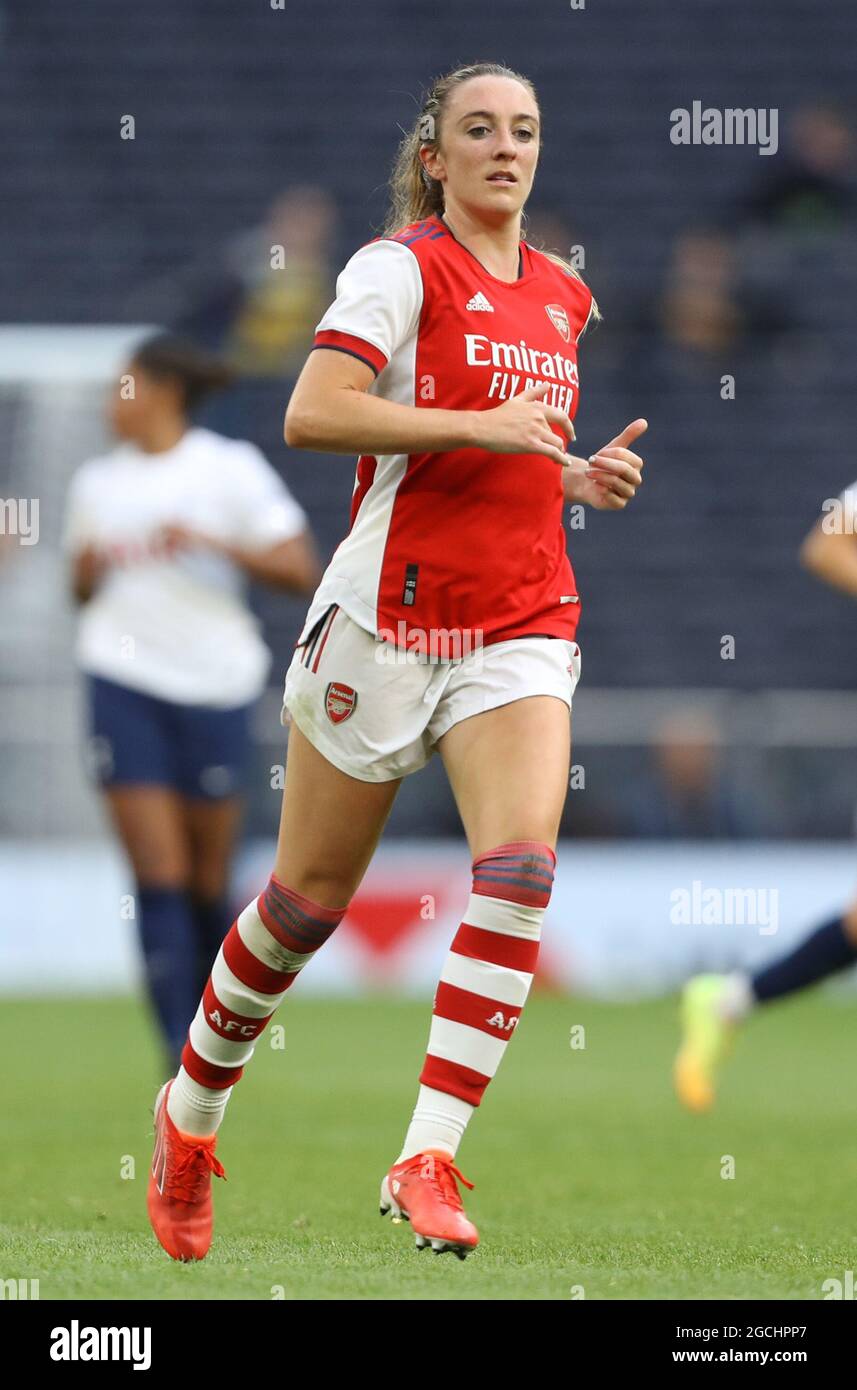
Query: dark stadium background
x=238 y=107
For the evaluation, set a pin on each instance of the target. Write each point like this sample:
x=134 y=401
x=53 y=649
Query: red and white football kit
x=453 y=558
x=451 y=594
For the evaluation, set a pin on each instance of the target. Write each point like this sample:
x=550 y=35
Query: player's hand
x=609 y=479
x=173 y=537
x=92 y=562
x=88 y=569
x=526 y=424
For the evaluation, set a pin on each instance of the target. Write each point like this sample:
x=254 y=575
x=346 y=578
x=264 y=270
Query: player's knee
x=208 y=883
x=297 y=922
x=326 y=884
x=522 y=870
x=159 y=863
x=329 y=891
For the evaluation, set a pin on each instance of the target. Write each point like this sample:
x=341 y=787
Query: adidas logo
x=480 y=302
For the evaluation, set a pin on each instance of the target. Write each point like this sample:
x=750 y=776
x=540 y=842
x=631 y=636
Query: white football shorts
x=376 y=711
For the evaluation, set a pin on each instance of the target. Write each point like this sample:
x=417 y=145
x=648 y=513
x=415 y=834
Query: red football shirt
x=462 y=542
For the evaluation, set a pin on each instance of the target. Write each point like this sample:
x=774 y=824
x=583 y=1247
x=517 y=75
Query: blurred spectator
x=699 y=309
x=796 y=230
x=692 y=327
x=259 y=299
x=256 y=303
x=285 y=267
x=688 y=794
x=812 y=192
x=714 y=315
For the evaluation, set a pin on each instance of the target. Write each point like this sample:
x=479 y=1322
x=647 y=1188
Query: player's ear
x=432 y=161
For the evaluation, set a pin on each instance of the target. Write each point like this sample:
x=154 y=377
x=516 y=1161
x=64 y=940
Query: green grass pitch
x=589 y=1178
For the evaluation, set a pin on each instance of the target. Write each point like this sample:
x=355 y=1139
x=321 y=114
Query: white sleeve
x=76 y=522
x=263 y=511
x=379 y=299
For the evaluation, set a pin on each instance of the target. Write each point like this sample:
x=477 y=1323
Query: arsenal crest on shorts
x=339 y=701
x=559 y=319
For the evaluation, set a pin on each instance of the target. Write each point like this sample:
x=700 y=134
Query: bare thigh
x=330 y=825
x=150 y=823
x=212 y=829
x=508 y=769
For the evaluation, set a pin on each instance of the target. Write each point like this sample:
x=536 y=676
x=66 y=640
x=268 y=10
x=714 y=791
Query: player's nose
x=505 y=146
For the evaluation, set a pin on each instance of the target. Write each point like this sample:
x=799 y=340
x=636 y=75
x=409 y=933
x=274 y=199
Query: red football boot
x=179 y=1196
x=422 y=1189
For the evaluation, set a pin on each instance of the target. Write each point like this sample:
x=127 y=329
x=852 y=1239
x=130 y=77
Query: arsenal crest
x=559 y=319
x=339 y=701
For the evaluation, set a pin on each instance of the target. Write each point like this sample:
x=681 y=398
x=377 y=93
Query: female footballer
x=163 y=532
x=445 y=622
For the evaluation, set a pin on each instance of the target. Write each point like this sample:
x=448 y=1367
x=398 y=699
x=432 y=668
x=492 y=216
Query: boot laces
x=193 y=1171
x=443 y=1174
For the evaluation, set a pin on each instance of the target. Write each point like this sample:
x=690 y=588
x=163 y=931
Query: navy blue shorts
x=138 y=738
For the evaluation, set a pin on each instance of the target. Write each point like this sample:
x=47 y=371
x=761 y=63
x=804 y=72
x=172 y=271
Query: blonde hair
x=414 y=194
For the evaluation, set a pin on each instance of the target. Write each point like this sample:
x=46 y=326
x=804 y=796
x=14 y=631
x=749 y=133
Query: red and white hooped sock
x=482 y=990
x=263 y=953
